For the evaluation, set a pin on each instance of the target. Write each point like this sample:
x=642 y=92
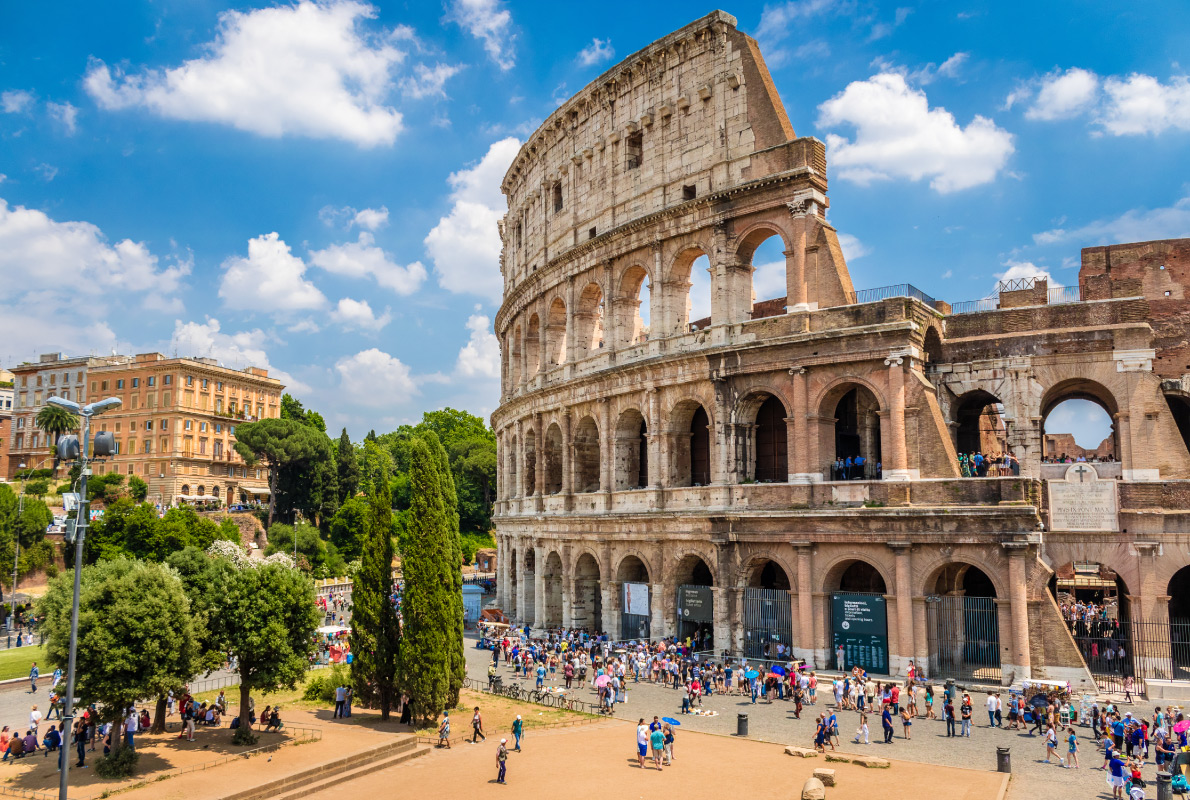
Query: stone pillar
x=721 y=625
x=896 y=464
x=611 y=608
x=805 y=603
x=1019 y=603
x=899 y=662
x=538 y=587
x=657 y=623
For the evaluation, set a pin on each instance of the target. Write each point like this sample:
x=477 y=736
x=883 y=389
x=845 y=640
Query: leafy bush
x=120 y=764
x=323 y=683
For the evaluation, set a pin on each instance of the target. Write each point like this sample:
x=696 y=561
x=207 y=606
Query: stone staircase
x=335 y=773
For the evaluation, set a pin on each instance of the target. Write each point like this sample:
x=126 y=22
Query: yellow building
x=176 y=427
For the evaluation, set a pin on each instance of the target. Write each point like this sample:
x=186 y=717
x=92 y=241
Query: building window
x=634 y=146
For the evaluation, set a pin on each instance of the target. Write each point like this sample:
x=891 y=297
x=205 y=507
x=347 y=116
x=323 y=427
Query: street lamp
x=70 y=447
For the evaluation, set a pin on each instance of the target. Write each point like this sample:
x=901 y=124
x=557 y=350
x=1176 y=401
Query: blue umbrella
x=750 y=674
x=670 y=720
x=778 y=669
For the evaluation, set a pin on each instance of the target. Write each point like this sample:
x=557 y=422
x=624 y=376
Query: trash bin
x=741 y=725
x=1003 y=760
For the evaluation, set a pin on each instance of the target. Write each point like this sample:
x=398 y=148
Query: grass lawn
x=15 y=662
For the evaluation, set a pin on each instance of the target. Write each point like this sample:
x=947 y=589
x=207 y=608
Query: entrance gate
x=768 y=619
x=963 y=634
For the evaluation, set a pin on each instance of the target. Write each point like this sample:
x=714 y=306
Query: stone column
x=805 y=602
x=538 y=587
x=896 y=465
x=899 y=661
x=1019 y=604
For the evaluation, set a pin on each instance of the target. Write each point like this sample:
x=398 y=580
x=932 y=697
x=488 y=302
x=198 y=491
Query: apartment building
x=176 y=426
x=52 y=375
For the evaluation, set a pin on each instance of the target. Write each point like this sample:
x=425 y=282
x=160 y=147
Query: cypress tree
x=348 y=468
x=374 y=629
x=425 y=663
x=454 y=546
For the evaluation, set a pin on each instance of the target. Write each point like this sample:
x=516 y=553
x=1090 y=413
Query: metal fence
x=963 y=634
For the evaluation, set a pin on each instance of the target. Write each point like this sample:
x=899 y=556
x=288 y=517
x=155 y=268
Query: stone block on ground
x=871 y=762
x=813 y=790
x=801 y=752
x=827 y=776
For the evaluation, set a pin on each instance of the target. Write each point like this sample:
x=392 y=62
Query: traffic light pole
x=81 y=522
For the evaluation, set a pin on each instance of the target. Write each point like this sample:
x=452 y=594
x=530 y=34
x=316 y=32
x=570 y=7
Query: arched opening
x=588 y=321
x=854 y=435
x=586 y=456
x=932 y=347
x=764 y=250
x=516 y=374
x=981 y=432
x=768 y=611
x=695 y=602
x=633 y=577
x=553 y=459
x=533 y=347
x=632 y=451
x=1094 y=601
x=688 y=293
x=555 y=334
x=587 y=607
x=772 y=464
x=529 y=483
x=552 y=577
x=1077 y=423
x=1179 y=624
x=858 y=617
x=633 y=312
x=690 y=462
x=514 y=488
x=962 y=624
x=527 y=614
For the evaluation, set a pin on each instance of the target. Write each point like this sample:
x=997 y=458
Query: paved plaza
x=1032 y=778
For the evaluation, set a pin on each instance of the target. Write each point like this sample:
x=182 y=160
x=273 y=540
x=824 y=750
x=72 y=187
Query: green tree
x=374 y=628
x=280 y=443
x=349 y=526
x=136 y=636
x=425 y=659
x=263 y=616
x=55 y=421
x=138 y=490
x=348 y=466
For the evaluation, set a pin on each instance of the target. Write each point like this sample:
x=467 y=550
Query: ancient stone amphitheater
x=661 y=475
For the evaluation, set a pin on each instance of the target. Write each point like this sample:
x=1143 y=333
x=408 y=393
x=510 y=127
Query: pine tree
x=374 y=629
x=458 y=663
x=425 y=661
x=348 y=468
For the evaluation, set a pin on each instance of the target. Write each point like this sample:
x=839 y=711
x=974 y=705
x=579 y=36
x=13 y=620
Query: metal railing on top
x=885 y=292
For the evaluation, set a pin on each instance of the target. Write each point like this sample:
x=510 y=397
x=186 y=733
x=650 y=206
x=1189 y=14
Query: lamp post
x=81 y=522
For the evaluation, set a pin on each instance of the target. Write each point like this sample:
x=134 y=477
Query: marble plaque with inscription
x=1083 y=502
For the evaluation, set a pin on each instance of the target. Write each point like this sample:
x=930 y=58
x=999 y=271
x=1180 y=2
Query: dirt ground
x=599 y=761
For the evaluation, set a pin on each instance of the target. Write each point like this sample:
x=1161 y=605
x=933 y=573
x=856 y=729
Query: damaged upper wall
x=693 y=113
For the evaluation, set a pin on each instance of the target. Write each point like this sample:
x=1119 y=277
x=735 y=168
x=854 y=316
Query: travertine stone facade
x=659 y=450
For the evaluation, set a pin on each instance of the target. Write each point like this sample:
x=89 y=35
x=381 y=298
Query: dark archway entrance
x=963 y=628
x=772 y=464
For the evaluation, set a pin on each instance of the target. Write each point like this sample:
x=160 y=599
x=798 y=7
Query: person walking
x=477 y=727
x=518 y=727
x=501 y=760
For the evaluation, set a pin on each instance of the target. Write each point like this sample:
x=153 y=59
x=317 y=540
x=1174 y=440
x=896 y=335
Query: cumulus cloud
x=65 y=115
x=597 y=52
x=375 y=378
x=270 y=278
x=363 y=259
x=236 y=350
x=480 y=357
x=465 y=244
x=308 y=69
x=14 y=101
x=1135 y=225
x=899 y=136
x=358 y=314
x=428 y=81
x=1064 y=94
x=491 y=23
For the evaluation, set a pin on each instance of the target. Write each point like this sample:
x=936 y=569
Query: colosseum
x=792 y=470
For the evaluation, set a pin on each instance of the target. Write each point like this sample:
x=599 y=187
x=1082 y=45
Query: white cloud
x=899 y=136
x=1141 y=104
x=853 y=248
x=307 y=69
x=1064 y=95
x=428 y=81
x=362 y=259
x=14 y=101
x=491 y=23
x=358 y=314
x=465 y=244
x=51 y=259
x=64 y=114
x=374 y=378
x=1135 y=225
x=236 y=350
x=271 y=278
x=597 y=52
x=480 y=357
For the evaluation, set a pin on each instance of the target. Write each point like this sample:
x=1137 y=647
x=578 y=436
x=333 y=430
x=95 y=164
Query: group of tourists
x=993 y=465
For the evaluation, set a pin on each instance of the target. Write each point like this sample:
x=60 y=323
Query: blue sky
x=314 y=186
